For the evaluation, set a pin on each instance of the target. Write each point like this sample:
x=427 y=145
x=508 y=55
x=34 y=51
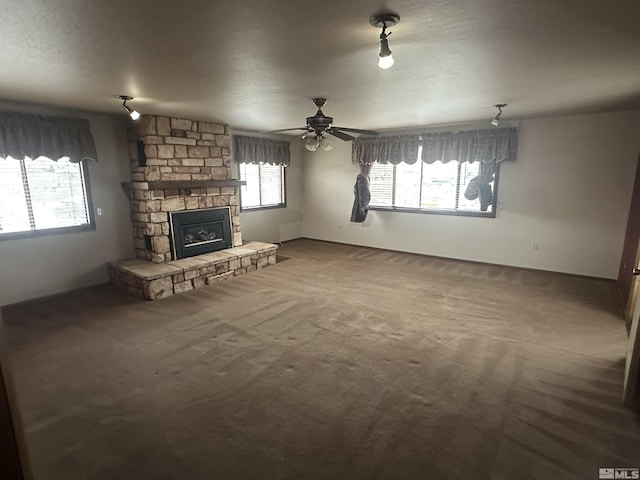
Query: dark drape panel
x=31 y=135
x=362 y=194
x=480 y=187
x=261 y=150
x=386 y=149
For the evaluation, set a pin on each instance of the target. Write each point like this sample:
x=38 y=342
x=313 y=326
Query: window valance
x=487 y=146
x=31 y=135
x=385 y=149
x=261 y=150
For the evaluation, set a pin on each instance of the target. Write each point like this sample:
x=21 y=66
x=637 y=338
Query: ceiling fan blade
x=357 y=130
x=286 y=130
x=341 y=135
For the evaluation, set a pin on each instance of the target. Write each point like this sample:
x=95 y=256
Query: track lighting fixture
x=385 y=20
x=132 y=113
x=496 y=120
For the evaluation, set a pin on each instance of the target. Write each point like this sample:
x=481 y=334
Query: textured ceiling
x=256 y=64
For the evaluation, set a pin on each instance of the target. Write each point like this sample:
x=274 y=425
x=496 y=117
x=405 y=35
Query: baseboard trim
x=284 y=242
x=471 y=262
x=53 y=296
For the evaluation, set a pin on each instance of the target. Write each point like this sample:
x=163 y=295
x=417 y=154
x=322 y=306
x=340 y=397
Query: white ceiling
x=256 y=64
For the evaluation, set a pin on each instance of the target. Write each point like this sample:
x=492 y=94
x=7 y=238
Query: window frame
x=44 y=232
x=283 y=169
x=490 y=213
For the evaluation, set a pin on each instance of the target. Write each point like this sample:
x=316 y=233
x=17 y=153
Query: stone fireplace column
x=177 y=165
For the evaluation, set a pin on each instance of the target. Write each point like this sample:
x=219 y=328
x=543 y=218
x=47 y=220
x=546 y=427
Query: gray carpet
x=338 y=363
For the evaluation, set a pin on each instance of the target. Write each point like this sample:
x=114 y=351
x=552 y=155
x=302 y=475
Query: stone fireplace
x=185 y=210
x=177 y=165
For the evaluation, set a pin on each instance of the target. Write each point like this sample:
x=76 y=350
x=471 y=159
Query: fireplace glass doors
x=197 y=232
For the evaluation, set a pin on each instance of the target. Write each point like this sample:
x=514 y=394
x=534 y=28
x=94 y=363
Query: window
x=435 y=188
x=264 y=188
x=42 y=196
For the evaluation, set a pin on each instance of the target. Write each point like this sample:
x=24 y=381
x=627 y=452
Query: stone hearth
x=152 y=281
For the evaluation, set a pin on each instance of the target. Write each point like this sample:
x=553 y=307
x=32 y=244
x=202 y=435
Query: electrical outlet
x=535 y=246
x=98 y=211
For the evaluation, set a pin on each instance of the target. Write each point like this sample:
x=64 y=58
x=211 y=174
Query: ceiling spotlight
x=496 y=120
x=384 y=20
x=132 y=113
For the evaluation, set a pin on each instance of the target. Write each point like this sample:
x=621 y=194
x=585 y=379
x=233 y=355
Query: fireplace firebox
x=196 y=232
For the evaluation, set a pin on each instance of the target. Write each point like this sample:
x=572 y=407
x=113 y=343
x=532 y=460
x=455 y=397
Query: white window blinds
x=433 y=187
x=41 y=194
x=265 y=185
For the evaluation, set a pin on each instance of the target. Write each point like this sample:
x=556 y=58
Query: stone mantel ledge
x=181 y=184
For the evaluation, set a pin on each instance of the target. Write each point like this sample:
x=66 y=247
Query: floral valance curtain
x=261 y=150
x=385 y=149
x=487 y=146
x=31 y=135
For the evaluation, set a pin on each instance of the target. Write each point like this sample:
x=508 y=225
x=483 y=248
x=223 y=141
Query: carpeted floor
x=338 y=363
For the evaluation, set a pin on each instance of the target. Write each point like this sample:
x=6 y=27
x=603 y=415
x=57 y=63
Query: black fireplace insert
x=196 y=232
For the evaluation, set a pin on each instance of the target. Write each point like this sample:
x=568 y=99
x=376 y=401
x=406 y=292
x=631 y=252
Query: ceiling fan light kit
x=496 y=120
x=311 y=144
x=325 y=144
x=384 y=21
x=132 y=113
x=319 y=125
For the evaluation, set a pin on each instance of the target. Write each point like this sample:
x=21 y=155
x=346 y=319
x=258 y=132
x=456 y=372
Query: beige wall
x=40 y=266
x=277 y=224
x=569 y=191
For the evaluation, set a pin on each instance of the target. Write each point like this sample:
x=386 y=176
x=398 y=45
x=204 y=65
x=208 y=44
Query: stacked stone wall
x=177 y=151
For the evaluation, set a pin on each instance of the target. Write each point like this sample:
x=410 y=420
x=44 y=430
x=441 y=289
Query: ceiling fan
x=319 y=125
